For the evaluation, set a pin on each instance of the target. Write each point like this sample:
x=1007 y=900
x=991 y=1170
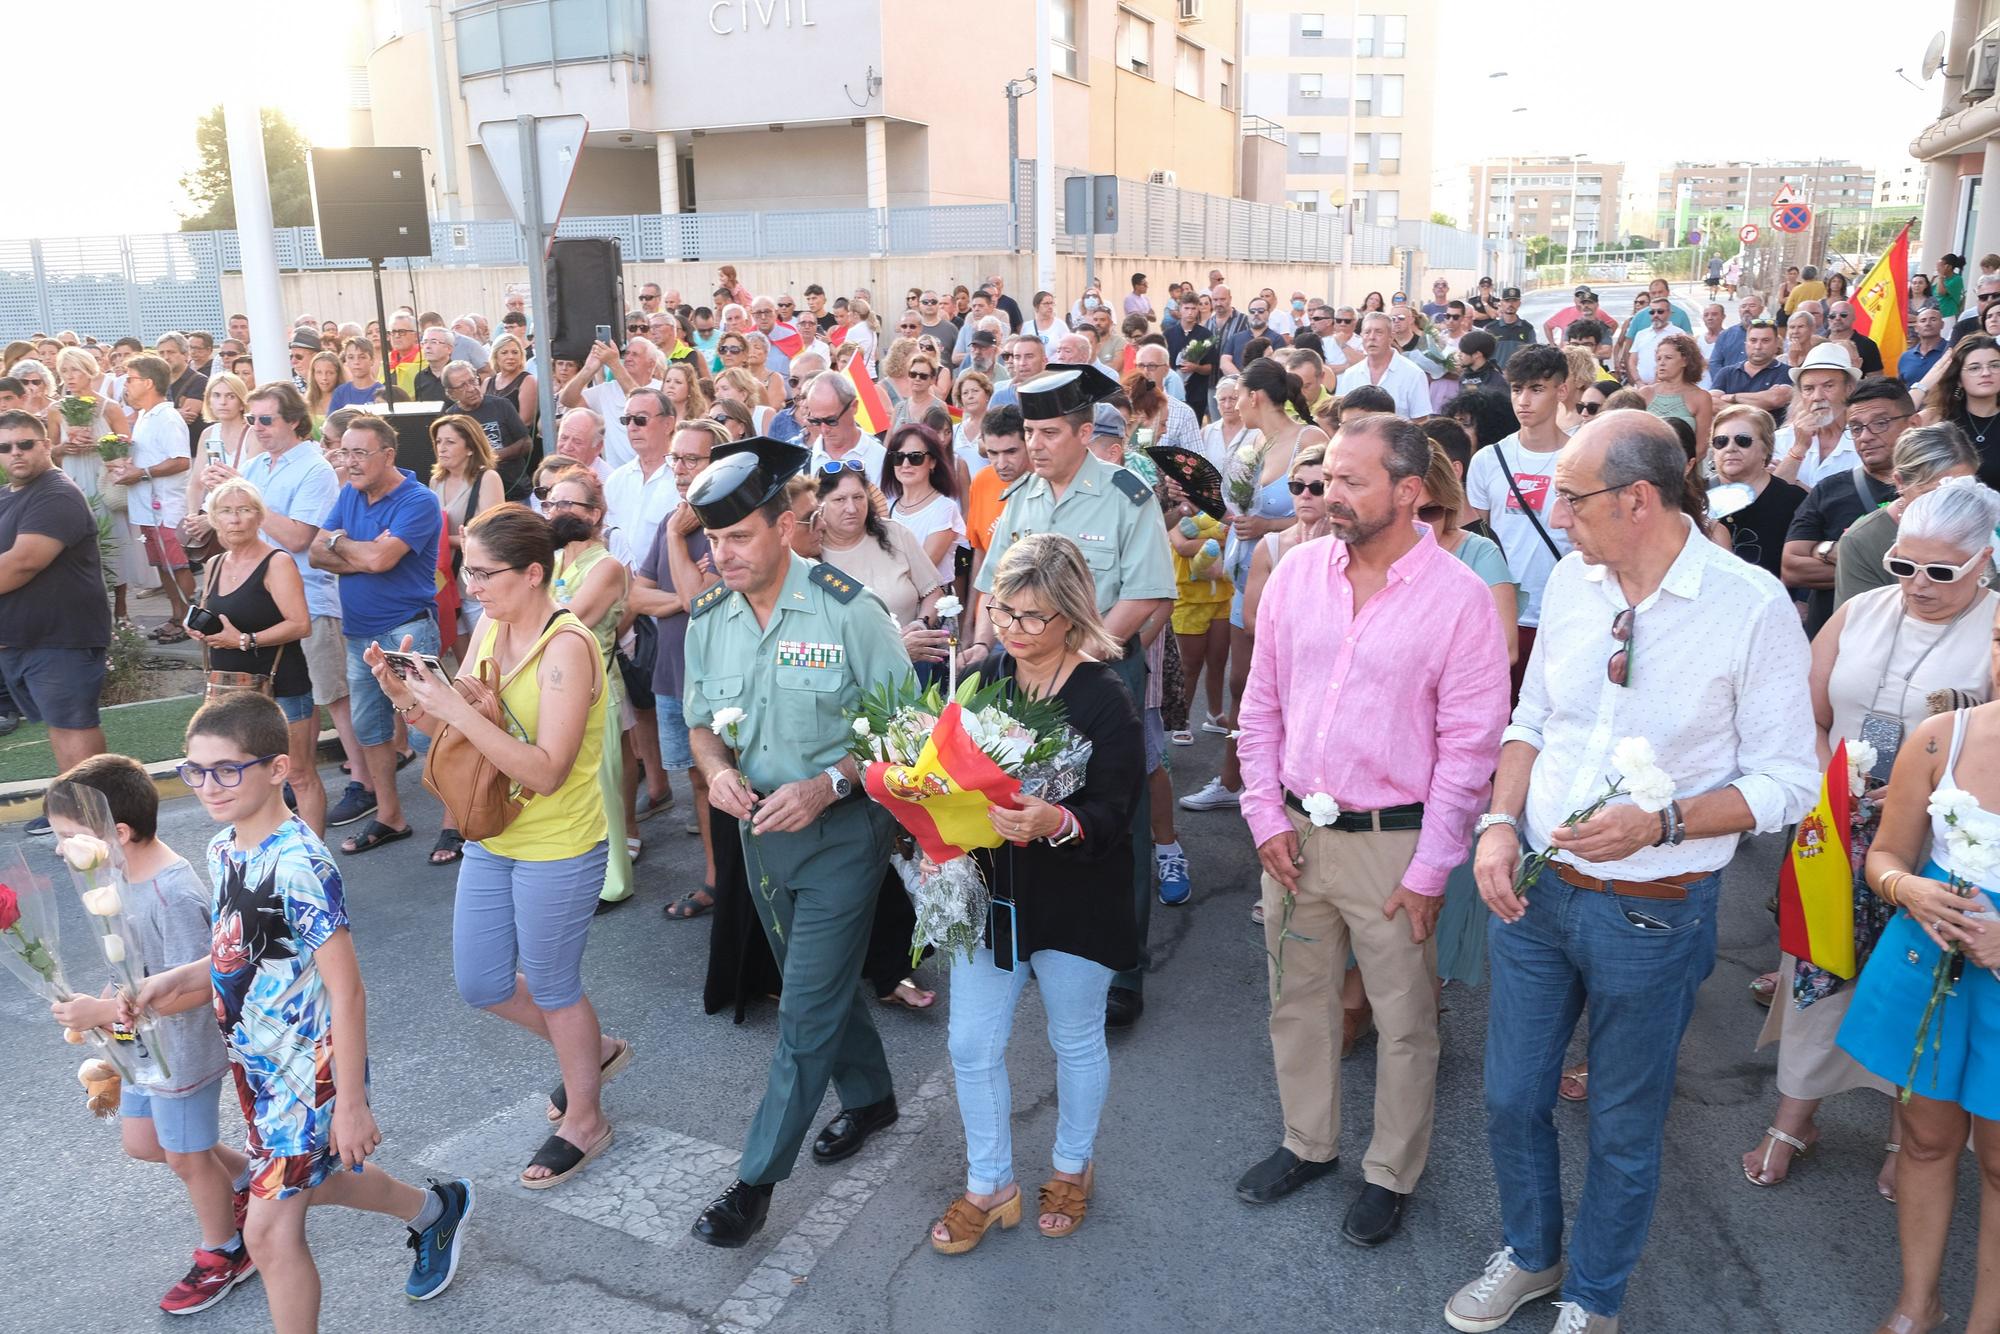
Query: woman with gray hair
x=1875 y=665
x=1063 y=908
x=1925 y=456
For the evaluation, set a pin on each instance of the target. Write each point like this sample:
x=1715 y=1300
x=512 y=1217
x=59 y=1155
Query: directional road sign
x=1748 y=233
x=1791 y=218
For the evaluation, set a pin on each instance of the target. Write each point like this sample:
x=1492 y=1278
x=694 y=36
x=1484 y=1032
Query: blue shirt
x=351 y=396
x=374 y=604
x=1729 y=350
x=300 y=484
x=1914 y=365
x=783 y=426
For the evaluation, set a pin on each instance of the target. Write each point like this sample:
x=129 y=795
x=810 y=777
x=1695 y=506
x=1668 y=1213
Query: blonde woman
x=974 y=394
x=683 y=387
x=323 y=376
x=465 y=481
x=922 y=377
x=739 y=386
x=757 y=360
x=512 y=380
x=227 y=440
x=75 y=452
x=895 y=376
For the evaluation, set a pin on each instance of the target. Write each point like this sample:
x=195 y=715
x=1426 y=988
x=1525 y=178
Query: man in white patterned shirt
x=1648 y=630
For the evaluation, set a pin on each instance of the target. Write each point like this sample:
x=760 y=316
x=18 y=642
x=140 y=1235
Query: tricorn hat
x=1066 y=389
x=742 y=476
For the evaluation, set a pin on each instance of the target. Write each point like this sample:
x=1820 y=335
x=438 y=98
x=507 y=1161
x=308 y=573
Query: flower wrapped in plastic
x=937 y=764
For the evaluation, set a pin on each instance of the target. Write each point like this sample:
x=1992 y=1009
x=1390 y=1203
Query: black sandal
x=563 y=1159
x=451 y=844
x=691 y=904
x=372 y=837
x=559 y=1100
x=403 y=758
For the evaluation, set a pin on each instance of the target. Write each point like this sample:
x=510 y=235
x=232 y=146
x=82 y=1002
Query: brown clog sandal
x=1068 y=1199
x=967 y=1223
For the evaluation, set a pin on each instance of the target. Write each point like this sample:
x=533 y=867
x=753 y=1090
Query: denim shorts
x=57 y=686
x=374 y=717
x=676 y=755
x=187 y=1123
x=1155 y=729
x=529 y=919
x=298 y=708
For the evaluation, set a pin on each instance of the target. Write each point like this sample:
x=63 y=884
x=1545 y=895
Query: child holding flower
x=288 y=995
x=175 y=1122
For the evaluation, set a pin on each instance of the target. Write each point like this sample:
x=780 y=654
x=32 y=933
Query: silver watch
x=841 y=787
x=1486 y=822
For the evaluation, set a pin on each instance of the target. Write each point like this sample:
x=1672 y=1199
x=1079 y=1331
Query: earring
x=1985 y=580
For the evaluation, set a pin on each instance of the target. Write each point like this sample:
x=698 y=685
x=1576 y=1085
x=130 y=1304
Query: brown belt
x=1671 y=888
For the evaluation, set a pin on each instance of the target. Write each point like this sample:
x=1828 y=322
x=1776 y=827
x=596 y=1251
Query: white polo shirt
x=635 y=506
x=607 y=400
x=1402 y=378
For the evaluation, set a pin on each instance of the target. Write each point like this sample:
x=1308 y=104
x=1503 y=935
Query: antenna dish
x=1933 y=57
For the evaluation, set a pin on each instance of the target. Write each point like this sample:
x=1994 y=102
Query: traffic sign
x=1786 y=195
x=1748 y=233
x=1791 y=218
x=554 y=142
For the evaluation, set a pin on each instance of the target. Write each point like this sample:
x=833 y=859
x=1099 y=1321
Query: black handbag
x=636 y=668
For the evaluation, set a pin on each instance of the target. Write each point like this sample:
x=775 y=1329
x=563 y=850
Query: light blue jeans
x=983 y=1001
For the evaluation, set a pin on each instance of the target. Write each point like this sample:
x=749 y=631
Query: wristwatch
x=1486 y=822
x=1824 y=551
x=841 y=787
x=332 y=541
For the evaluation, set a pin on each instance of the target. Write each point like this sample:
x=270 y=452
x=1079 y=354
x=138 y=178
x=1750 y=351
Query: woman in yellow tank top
x=526 y=896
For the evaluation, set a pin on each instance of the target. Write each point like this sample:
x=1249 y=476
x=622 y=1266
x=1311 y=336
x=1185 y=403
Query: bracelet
x=406 y=713
x=1666 y=828
x=1679 y=830
x=1886 y=890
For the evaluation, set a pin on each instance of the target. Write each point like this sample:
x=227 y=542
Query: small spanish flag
x=1816 y=882
x=942 y=798
x=871 y=410
x=1878 y=303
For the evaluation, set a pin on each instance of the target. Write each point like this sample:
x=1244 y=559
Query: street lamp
x=1496 y=74
x=1507 y=215
x=1569 y=251
x=1016 y=90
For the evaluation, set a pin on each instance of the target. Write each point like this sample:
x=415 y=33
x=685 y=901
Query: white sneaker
x=1490 y=1300
x=1575 y=1320
x=1214 y=797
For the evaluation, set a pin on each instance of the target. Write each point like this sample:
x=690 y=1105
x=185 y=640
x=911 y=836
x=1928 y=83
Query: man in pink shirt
x=1379 y=683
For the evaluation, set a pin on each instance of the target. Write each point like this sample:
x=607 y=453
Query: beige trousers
x=1346 y=880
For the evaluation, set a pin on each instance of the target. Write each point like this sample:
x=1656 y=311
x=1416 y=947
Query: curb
x=21 y=802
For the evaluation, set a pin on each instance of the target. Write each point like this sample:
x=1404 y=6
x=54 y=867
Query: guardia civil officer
x=1108 y=511
x=792 y=644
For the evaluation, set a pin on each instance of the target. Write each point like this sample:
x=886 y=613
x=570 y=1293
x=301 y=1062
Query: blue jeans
x=374 y=717
x=983 y=1001
x=676 y=753
x=1576 y=947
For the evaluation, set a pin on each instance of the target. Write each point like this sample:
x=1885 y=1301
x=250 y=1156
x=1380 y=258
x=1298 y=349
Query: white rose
x=1633 y=756
x=1321 y=809
x=114 y=948
x=949 y=606
x=102 y=901
x=85 y=852
x=861 y=728
x=1652 y=790
x=1248 y=455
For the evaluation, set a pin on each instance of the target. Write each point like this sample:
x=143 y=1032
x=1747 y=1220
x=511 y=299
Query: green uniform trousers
x=821 y=903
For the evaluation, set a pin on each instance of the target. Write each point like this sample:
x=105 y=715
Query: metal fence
x=108 y=286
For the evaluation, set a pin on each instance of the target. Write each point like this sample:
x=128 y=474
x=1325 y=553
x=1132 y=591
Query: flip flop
x=403 y=759
x=647 y=807
x=169 y=634
x=451 y=844
x=371 y=837
x=911 y=996
x=691 y=905
x=564 y=1158
x=559 y=1100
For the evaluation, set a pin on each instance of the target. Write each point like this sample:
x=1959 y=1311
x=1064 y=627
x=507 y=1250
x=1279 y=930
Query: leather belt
x=1671 y=889
x=1389 y=820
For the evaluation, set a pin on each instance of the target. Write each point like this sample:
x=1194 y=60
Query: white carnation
x=1861 y=757
x=861 y=728
x=1633 y=756
x=1321 y=809
x=1652 y=790
x=1952 y=805
x=725 y=719
x=949 y=606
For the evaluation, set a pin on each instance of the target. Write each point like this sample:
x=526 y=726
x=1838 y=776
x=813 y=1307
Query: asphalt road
x=94 y=1238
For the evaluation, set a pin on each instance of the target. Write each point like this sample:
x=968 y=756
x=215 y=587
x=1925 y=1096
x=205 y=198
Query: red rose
x=10 y=908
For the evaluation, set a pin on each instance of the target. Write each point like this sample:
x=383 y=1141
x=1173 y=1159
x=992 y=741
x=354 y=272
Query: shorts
x=298 y=708
x=310 y=1128
x=527 y=919
x=163 y=545
x=676 y=755
x=374 y=717
x=326 y=660
x=1194 y=618
x=182 y=1122
x=1155 y=728
x=57 y=686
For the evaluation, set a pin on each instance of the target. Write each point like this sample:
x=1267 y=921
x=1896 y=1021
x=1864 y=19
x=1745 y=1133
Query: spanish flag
x=942 y=798
x=871 y=410
x=1816 y=882
x=1878 y=304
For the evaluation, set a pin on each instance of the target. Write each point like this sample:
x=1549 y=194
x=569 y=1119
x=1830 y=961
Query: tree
x=211 y=196
x=1444 y=220
x=1542 y=249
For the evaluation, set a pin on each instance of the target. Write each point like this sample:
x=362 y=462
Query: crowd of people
x=1437 y=579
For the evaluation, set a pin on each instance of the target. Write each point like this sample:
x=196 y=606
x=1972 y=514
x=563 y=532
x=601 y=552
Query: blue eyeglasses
x=226 y=774
x=834 y=467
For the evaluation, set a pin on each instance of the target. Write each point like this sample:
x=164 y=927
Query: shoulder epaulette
x=1133 y=485
x=706 y=602
x=842 y=586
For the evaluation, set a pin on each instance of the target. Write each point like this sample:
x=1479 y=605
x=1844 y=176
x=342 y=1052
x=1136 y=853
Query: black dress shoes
x=1279 y=1175
x=1122 y=1007
x=736 y=1216
x=1375 y=1216
x=847 y=1132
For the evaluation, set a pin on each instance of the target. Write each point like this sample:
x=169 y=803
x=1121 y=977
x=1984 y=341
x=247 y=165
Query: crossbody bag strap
x=1533 y=517
x=1862 y=492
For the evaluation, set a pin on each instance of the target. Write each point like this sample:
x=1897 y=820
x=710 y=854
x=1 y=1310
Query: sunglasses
x=834 y=467
x=635 y=328
x=636 y=419
x=554 y=505
x=1589 y=409
x=9 y=446
x=1431 y=513
x=1300 y=488
x=923 y=377
x=727 y=348
x=1732 y=441
x=1904 y=568
x=262 y=419
x=911 y=457
x=1618 y=667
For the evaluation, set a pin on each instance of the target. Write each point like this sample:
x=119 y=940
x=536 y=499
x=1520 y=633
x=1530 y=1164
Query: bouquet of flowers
x=936 y=763
x=1972 y=841
x=30 y=950
x=1640 y=777
x=1241 y=485
x=1196 y=352
x=77 y=409
x=111 y=446
x=89 y=848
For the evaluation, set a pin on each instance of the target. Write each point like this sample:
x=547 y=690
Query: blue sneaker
x=1175 y=887
x=357 y=803
x=437 y=1245
x=38 y=827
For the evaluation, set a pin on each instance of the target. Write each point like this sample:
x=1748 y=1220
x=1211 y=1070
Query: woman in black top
x=1741 y=444
x=256 y=591
x=1062 y=901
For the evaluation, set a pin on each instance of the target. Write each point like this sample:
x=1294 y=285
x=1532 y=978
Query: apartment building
x=1533 y=197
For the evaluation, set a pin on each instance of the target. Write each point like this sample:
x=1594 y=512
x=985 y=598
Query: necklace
x=1978 y=434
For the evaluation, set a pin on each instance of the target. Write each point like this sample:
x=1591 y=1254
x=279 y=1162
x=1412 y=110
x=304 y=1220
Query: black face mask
x=567 y=528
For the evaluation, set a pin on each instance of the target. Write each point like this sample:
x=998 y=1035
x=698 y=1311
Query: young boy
x=288 y=995
x=176 y=1121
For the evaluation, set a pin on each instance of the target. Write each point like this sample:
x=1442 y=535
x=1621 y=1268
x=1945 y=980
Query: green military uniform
x=1109 y=512
x=828 y=642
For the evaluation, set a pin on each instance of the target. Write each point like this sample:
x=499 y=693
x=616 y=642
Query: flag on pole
x=871 y=410
x=1816 y=881
x=1879 y=302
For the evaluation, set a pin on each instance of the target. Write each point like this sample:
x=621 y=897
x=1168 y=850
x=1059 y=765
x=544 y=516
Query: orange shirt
x=982 y=509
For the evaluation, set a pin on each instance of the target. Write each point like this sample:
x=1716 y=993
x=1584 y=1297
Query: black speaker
x=368 y=203
x=586 y=289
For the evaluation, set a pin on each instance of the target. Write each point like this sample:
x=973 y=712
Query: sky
x=1581 y=69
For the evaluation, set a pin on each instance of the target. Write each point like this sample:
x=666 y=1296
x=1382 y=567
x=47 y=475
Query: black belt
x=1388 y=820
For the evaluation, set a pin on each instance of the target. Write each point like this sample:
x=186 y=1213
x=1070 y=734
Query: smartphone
x=1645 y=922
x=603 y=333
x=1000 y=933
x=215 y=449
x=404 y=665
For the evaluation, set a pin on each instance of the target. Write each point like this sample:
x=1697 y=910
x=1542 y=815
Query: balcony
x=511 y=36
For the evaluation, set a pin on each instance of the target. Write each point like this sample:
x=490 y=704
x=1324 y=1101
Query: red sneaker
x=213 y=1275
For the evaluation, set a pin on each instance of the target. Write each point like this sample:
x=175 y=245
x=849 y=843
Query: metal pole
x=1014 y=164
x=1045 y=150
x=1089 y=232
x=538 y=286
x=381 y=319
x=1482 y=218
x=1569 y=251
x=1347 y=158
x=256 y=239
